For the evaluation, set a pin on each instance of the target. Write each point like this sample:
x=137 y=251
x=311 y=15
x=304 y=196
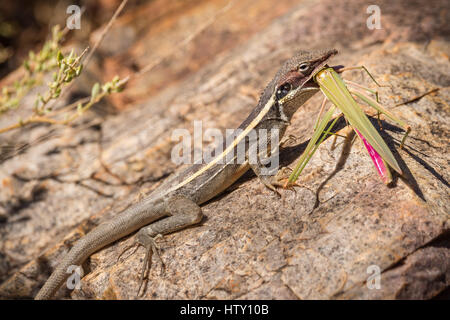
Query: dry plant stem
x=157 y=61
x=41 y=119
x=149 y=67
x=34 y=67
x=68 y=107
x=61 y=78
x=91 y=103
x=416 y=98
x=33 y=119
x=105 y=31
x=183 y=43
x=96 y=44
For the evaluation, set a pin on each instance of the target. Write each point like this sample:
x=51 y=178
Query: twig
x=95 y=46
x=182 y=44
x=105 y=31
x=149 y=67
x=32 y=119
x=416 y=98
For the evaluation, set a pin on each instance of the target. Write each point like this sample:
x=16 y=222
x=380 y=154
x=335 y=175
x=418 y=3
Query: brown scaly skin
x=175 y=204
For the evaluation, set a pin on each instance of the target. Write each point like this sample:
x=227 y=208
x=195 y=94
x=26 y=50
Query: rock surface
x=319 y=242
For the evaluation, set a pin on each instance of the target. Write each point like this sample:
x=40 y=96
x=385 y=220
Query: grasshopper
x=335 y=90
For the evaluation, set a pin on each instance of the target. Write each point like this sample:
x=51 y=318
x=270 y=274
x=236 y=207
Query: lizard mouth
x=310 y=82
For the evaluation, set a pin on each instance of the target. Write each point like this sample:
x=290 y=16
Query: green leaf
x=59 y=57
x=78 y=70
x=95 y=90
x=26 y=64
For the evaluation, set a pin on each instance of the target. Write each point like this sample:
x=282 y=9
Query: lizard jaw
x=310 y=82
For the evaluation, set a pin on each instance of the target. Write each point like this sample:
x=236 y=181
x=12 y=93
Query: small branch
x=183 y=43
x=105 y=31
x=95 y=46
x=416 y=98
x=114 y=86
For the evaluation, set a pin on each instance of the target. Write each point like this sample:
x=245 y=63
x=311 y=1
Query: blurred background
x=210 y=60
x=26 y=24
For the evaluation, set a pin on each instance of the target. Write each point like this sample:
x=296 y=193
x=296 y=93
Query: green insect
x=335 y=90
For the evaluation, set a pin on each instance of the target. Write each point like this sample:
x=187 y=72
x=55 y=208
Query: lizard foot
x=270 y=184
x=151 y=247
x=277 y=181
x=135 y=244
x=281 y=179
x=287 y=140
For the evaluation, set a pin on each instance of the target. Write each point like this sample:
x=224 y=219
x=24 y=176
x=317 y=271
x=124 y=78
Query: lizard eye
x=303 y=67
x=283 y=90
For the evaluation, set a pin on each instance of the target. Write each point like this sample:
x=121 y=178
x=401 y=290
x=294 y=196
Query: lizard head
x=295 y=83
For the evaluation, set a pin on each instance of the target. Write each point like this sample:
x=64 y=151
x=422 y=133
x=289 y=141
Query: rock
x=323 y=241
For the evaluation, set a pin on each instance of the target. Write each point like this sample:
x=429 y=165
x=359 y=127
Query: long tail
x=82 y=249
x=125 y=223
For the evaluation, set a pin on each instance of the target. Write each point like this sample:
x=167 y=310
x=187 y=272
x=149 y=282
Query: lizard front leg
x=182 y=212
x=269 y=177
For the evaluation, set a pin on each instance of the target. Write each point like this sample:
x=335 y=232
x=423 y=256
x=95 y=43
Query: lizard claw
x=281 y=179
x=151 y=248
x=289 y=139
x=135 y=244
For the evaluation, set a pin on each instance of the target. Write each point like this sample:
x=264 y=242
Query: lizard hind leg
x=151 y=247
x=273 y=182
x=182 y=213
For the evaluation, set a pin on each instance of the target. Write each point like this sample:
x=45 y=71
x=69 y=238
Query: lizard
x=175 y=204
